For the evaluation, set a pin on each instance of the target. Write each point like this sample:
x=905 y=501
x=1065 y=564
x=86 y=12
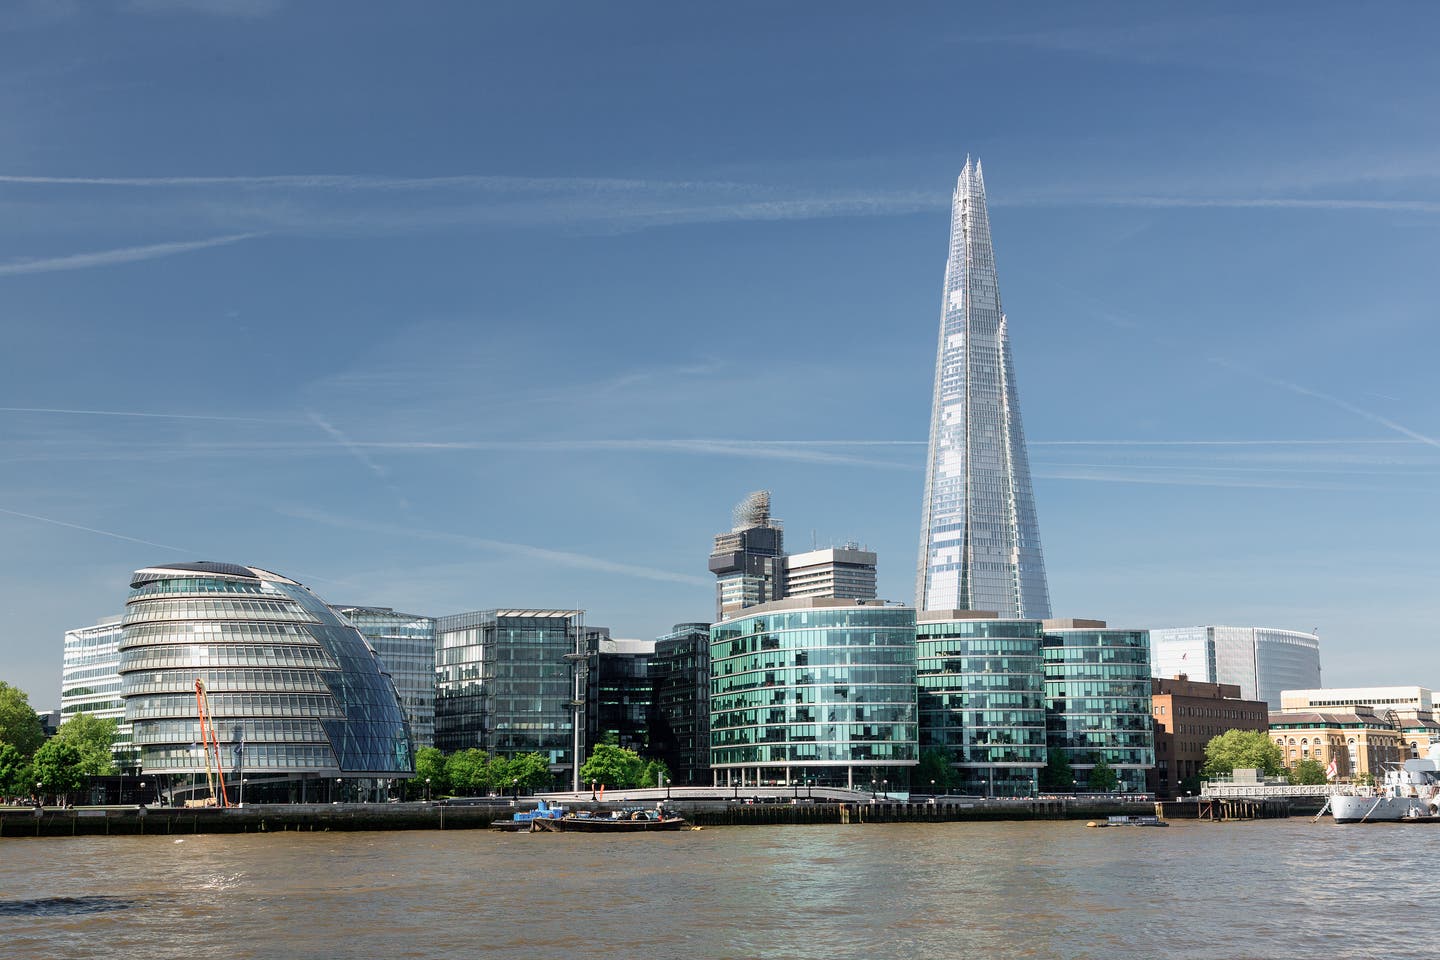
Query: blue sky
x=464 y=306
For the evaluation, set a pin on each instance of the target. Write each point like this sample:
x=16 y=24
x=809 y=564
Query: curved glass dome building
x=295 y=692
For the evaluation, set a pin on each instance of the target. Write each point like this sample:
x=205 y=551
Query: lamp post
x=885 y=789
x=932 y=788
x=809 y=783
x=339 y=787
x=142 y=791
x=515 y=789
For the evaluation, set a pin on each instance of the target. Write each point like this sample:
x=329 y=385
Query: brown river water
x=1271 y=889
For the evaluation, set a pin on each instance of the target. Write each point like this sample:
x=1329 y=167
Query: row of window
x=237 y=655
x=226 y=705
x=149 y=611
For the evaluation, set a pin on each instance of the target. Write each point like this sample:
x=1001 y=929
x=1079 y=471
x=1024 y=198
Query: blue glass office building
x=982 y=699
x=1097 y=698
x=814 y=689
x=295 y=692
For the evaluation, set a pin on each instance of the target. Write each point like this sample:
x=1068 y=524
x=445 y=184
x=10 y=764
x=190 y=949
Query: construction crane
x=208 y=739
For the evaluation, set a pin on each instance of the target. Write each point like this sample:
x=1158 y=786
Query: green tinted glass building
x=814 y=689
x=982 y=699
x=1097 y=698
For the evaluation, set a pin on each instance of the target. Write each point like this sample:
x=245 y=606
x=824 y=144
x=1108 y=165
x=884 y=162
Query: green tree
x=468 y=771
x=1103 y=777
x=58 y=766
x=1242 y=748
x=429 y=764
x=1308 y=772
x=19 y=726
x=1057 y=774
x=934 y=766
x=651 y=773
x=17 y=775
x=94 y=738
x=531 y=769
x=613 y=766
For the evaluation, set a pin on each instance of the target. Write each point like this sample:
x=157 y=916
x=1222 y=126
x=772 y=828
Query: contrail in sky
x=103 y=533
x=105 y=258
x=136 y=413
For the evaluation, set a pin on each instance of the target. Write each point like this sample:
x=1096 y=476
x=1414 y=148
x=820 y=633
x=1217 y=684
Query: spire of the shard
x=979 y=538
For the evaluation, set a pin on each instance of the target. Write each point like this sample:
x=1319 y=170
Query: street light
x=515 y=789
x=886 y=785
x=142 y=791
x=427 y=789
x=339 y=782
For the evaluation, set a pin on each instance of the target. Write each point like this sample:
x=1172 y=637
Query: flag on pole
x=1332 y=770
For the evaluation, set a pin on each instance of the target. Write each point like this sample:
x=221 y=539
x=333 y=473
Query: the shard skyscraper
x=980 y=540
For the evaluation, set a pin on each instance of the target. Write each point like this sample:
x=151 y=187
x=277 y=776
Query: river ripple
x=985 y=890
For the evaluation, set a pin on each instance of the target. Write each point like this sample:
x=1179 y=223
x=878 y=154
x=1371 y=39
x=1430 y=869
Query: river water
x=1277 y=888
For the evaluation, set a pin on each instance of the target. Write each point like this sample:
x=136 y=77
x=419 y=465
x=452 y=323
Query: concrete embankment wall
x=19 y=822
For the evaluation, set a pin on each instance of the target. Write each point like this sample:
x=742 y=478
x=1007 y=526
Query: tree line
x=474 y=772
x=33 y=767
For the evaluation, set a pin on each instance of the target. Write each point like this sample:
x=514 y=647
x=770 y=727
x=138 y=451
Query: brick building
x=1186 y=715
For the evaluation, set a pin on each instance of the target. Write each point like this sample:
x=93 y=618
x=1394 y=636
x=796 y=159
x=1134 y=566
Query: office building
x=1407 y=710
x=405 y=643
x=295 y=693
x=1187 y=714
x=680 y=734
x=1262 y=661
x=749 y=561
x=814 y=690
x=513 y=681
x=1357 y=740
x=1097 y=699
x=979 y=537
x=90 y=683
x=982 y=699
x=621 y=695
x=845 y=573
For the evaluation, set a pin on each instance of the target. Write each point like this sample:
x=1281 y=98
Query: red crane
x=209 y=738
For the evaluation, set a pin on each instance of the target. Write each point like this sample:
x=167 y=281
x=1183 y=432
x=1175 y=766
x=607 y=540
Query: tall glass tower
x=979 y=539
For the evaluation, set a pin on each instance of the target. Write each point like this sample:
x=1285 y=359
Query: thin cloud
x=142 y=414
x=94 y=530
x=561 y=557
x=1234 y=203
x=105 y=258
x=1334 y=401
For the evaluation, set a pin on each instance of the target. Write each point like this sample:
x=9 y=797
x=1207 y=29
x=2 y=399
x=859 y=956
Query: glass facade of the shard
x=980 y=540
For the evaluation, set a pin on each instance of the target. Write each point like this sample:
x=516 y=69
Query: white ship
x=1408 y=791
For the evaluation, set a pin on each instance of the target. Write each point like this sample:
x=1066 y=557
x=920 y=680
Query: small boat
x=525 y=820
x=618 y=821
x=1129 y=821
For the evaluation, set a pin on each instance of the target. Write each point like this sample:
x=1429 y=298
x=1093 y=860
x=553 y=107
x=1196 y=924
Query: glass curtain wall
x=982 y=702
x=823 y=694
x=1097 y=701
